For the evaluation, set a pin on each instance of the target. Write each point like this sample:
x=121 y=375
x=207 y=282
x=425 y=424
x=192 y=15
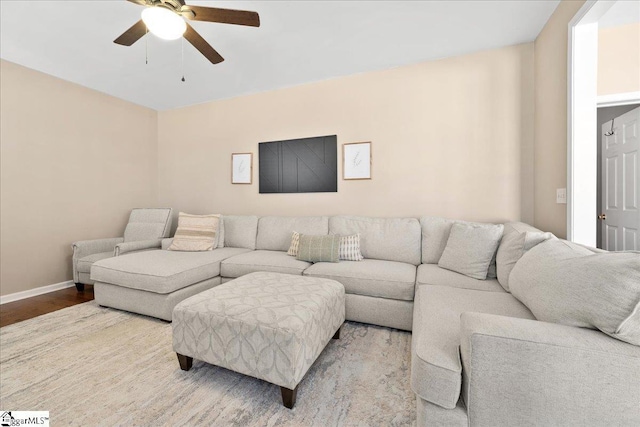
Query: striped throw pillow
x=319 y=248
x=196 y=233
x=295 y=244
x=349 y=247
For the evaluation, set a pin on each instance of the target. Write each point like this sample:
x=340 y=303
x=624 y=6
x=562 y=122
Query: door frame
x=618 y=99
x=582 y=105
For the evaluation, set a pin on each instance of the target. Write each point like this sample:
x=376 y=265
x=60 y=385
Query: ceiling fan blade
x=201 y=44
x=140 y=2
x=133 y=34
x=224 y=16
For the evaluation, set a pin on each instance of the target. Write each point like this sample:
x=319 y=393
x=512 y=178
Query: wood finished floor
x=17 y=311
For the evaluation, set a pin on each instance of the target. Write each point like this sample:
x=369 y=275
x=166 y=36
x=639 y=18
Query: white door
x=621 y=183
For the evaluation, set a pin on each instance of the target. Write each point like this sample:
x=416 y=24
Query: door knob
x=602 y=216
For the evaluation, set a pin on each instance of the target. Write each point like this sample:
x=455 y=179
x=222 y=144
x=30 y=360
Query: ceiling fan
x=165 y=19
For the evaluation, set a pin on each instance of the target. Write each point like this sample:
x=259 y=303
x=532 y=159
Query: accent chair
x=145 y=230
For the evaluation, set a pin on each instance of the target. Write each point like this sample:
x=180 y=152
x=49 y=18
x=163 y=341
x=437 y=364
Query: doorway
x=583 y=127
x=618 y=178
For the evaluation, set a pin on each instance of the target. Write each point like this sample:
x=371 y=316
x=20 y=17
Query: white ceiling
x=298 y=42
x=622 y=12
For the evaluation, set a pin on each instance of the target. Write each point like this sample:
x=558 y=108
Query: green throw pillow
x=319 y=248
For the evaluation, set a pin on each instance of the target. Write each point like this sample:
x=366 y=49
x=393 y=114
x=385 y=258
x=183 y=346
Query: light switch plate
x=561 y=196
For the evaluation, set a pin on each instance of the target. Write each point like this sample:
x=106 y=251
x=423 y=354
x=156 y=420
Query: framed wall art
x=356 y=160
x=241 y=168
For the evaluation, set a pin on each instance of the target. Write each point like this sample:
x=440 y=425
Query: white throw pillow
x=295 y=244
x=220 y=240
x=350 y=248
x=196 y=233
x=511 y=249
x=470 y=248
x=564 y=283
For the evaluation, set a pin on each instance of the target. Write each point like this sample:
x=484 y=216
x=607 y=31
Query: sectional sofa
x=479 y=356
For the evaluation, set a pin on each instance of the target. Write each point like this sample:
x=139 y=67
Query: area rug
x=89 y=365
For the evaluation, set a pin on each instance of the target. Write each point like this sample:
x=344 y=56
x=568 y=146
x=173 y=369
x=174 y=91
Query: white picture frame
x=242 y=168
x=356 y=160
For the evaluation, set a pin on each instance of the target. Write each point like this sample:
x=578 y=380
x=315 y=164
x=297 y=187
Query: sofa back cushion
x=435 y=234
x=391 y=239
x=274 y=232
x=520 y=227
x=166 y=242
x=518 y=238
x=239 y=231
x=148 y=224
x=565 y=283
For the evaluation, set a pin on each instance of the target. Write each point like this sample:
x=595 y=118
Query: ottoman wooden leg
x=185 y=362
x=337 y=334
x=289 y=396
x=80 y=287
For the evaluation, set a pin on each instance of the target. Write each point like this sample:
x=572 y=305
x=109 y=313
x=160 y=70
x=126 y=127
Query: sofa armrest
x=140 y=245
x=519 y=370
x=85 y=248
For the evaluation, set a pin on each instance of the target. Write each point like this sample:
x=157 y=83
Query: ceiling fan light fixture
x=164 y=23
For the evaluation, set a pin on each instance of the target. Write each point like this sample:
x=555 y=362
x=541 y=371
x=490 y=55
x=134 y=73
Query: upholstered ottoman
x=270 y=326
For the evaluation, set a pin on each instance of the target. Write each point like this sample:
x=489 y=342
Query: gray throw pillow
x=435 y=234
x=511 y=249
x=319 y=248
x=470 y=248
x=568 y=284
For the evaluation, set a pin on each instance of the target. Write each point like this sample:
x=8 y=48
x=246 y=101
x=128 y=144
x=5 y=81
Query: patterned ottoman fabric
x=271 y=326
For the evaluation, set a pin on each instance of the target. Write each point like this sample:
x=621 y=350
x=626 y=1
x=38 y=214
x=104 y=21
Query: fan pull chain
x=183 y=79
x=146 y=48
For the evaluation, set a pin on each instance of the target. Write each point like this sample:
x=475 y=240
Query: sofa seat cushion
x=436 y=368
x=161 y=271
x=432 y=274
x=274 y=261
x=370 y=277
x=84 y=264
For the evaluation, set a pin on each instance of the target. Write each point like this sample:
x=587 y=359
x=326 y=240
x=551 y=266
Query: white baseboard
x=34 y=292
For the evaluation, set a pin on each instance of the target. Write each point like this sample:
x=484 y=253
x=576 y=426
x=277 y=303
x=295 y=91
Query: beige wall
x=550 y=167
x=73 y=163
x=452 y=137
x=619 y=59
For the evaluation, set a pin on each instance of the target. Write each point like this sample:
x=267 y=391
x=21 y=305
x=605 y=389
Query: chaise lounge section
x=153 y=282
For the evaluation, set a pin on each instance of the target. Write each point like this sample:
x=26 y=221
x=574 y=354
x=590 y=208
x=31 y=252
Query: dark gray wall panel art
x=306 y=165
